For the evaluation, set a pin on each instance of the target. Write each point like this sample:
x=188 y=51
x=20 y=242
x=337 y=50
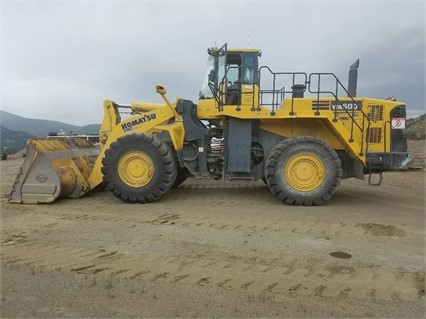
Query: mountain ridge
x=41 y=127
x=15 y=130
x=13 y=141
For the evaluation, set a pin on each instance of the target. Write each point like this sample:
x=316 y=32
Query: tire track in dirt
x=107 y=208
x=221 y=266
x=315 y=229
x=279 y=278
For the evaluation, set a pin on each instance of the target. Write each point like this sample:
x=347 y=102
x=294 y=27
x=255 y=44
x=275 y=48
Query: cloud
x=61 y=59
x=396 y=66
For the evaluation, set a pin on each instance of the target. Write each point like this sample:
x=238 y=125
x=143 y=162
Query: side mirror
x=212 y=75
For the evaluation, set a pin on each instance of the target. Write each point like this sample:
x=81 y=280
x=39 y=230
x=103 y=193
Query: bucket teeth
x=53 y=169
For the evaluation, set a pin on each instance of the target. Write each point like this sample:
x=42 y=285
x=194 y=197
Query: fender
x=146 y=122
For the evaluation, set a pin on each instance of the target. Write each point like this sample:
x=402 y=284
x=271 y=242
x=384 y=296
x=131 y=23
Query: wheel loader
x=300 y=133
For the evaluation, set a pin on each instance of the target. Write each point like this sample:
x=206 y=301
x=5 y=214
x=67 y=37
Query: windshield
x=205 y=92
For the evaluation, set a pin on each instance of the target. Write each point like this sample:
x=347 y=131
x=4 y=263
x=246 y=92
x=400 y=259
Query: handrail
x=309 y=85
x=278 y=95
x=237 y=91
x=282 y=91
x=350 y=113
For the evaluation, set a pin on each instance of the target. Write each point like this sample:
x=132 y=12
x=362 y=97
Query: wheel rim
x=304 y=172
x=136 y=169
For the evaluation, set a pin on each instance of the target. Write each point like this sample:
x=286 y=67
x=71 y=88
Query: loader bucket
x=54 y=168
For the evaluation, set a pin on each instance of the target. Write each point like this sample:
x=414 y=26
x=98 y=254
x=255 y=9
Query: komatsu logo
x=128 y=126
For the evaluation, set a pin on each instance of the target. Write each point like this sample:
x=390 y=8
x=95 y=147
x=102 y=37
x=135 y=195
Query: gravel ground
x=212 y=249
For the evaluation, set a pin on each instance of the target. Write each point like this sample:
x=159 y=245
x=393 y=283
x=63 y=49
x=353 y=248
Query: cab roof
x=213 y=50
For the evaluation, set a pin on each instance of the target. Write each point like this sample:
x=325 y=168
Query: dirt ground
x=212 y=249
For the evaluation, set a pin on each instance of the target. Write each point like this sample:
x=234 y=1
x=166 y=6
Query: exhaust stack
x=353 y=78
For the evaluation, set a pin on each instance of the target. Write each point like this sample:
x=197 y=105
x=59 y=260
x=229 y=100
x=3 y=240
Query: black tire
x=139 y=168
x=182 y=175
x=303 y=171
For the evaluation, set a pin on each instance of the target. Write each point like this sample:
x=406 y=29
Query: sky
x=61 y=59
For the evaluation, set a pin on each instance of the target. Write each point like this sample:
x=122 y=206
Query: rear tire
x=303 y=171
x=139 y=168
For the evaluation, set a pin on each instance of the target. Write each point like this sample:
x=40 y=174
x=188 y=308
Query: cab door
x=249 y=81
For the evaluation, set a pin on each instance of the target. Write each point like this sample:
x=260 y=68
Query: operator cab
x=232 y=77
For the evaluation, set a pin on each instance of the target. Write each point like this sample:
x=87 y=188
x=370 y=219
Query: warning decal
x=398 y=123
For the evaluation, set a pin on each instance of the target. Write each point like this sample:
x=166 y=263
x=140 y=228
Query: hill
x=41 y=128
x=13 y=141
x=416 y=128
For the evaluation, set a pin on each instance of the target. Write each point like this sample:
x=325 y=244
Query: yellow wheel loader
x=300 y=133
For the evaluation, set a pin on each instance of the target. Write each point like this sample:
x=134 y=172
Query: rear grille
x=374 y=135
x=375 y=113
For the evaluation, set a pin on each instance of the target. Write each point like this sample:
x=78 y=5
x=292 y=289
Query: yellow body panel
x=300 y=116
x=154 y=120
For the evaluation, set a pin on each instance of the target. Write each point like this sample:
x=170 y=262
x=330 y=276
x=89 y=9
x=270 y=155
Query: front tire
x=182 y=175
x=139 y=168
x=303 y=171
